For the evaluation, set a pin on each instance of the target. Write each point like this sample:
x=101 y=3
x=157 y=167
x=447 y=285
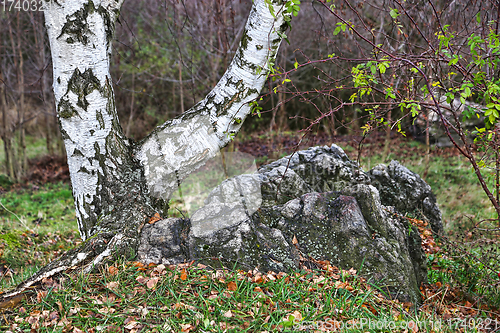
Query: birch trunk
x=118 y=185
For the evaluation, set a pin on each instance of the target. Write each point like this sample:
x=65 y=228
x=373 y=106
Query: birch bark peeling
x=182 y=145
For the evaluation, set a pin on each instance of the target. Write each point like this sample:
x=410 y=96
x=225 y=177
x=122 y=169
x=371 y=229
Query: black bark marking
x=76 y=26
x=82 y=85
x=65 y=109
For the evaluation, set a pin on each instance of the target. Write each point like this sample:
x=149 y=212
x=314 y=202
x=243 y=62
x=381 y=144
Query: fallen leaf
x=319 y=279
x=141 y=279
x=413 y=326
x=139 y=265
x=232 y=286
x=294 y=240
x=187 y=328
x=40 y=296
x=228 y=314
x=106 y=310
x=113 y=270
x=113 y=285
x=183 y=275
x=297 y=315
x=152 y=282
x=155 y=218
x=132 y=324
x=74 y=311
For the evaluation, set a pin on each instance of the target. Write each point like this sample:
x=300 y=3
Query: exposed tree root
x=89 y=256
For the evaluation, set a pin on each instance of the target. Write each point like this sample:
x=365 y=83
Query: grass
x=130 y=297
x=44 y=208
x=36 y=225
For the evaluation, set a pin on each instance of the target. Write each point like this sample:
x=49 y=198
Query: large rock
x=319 y=197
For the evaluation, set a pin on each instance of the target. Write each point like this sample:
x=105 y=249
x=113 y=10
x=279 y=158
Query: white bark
x=80 y=34
x=182 y=145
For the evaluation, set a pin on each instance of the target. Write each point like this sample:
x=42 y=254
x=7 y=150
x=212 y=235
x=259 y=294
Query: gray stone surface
x=407 y=192
x=319 y=197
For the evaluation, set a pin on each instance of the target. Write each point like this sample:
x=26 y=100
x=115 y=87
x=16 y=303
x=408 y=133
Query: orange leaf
x=183 y=275
x=40 y=296
x=139 y=265
x=113 y=270
x=232 y=286
x=155 y=218
x=294 y=240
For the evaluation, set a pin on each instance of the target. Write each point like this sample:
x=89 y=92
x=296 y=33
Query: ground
x=463 y=293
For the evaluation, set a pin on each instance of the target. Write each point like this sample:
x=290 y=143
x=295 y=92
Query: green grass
x=49 y=207
x=36 y=225
x=127 y=297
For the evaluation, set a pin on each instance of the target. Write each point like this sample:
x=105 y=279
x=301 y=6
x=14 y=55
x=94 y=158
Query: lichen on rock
x=316 y=203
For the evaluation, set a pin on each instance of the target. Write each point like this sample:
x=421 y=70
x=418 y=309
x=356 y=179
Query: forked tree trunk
x=117 y=184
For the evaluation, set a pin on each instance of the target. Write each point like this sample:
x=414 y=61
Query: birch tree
x=118 y=185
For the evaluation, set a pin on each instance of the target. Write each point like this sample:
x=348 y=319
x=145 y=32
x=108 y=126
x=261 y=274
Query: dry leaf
x=183 y=275
x=187 y=328
x=319 y=279
x=113 y=270
x=74 y=311
x=228 y=314
x=294 y=240
x=139 y=265
x=413 y=326
x=113 y=285
x=132 y=324
x=296 y=314
x=152 y=282
x=40 y=295
x=155 y=218
x=106 y=310
x=141 y=279
x=258 y=278
x=232 y=286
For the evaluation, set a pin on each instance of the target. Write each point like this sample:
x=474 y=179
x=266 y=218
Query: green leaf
x=296 y=65
x=394 y=13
